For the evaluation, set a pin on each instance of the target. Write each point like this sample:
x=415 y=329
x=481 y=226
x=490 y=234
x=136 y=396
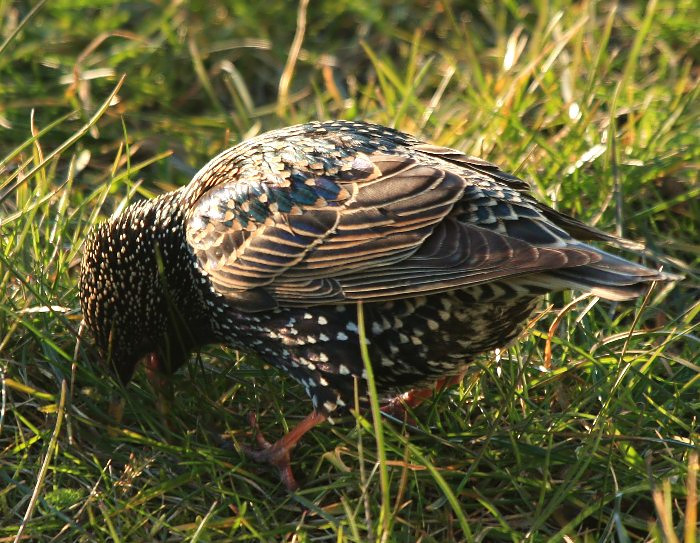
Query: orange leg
x=278 y=453
x=414 y=397
x=161 y=385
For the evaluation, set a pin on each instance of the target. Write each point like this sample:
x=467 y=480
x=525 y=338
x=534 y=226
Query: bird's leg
x=416 y=396
x=278 y=453
x=160 y=383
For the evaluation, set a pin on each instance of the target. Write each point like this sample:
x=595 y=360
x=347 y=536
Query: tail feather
x=585 y=232
x=611 y=278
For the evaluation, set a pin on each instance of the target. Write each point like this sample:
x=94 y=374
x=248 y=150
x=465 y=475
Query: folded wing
x=382 y=226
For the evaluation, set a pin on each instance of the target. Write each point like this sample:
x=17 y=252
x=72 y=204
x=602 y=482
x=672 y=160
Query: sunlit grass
x=595 y=439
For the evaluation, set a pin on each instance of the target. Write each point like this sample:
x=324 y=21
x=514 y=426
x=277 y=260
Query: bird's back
x=339 y=211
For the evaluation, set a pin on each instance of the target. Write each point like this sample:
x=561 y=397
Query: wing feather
x=380 y=228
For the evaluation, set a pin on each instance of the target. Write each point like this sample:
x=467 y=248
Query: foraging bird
x=272 y=244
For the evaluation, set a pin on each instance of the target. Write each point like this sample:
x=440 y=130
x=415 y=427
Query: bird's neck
x=197 y=314
x=176 y=278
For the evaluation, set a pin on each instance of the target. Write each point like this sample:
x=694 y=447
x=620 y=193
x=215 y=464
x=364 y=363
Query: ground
x=586 y=430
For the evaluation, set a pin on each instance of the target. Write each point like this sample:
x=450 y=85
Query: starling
x=272 y=244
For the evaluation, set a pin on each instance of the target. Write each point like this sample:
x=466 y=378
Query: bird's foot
x=396 y=407
x=275 y=454
x=278 y=453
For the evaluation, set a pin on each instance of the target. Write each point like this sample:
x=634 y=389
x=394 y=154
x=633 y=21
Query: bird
x=275 y=242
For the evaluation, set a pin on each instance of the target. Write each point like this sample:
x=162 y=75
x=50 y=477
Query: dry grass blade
x=662 y=503
x=294 y=50
x=41 y=476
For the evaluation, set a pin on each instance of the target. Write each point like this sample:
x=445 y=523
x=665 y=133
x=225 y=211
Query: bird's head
x=126 y=293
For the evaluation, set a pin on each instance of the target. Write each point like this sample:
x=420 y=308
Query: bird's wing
x=380 y=226
x=573 y=227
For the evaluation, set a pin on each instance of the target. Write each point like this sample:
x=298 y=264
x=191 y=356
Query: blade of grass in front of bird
x=385 y=514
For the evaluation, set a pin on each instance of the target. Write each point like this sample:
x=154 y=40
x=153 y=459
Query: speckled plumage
x=274 y=240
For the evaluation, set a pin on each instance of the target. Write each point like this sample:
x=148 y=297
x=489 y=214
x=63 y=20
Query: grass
x=584 y=431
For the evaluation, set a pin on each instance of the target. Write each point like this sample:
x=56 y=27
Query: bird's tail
x=611 y=278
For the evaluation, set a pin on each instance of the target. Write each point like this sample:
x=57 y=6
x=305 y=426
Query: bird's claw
x=275 y=454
